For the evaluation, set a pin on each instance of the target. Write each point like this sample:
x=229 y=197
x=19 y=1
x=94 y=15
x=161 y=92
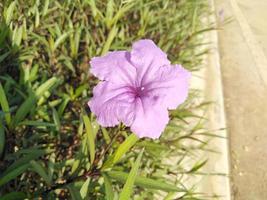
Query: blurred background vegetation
x=51 y=147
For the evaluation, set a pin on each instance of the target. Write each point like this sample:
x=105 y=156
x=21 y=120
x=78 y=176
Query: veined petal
x=150 y=118
x=138 y=88
x=171 y=84
x=115 y=67
x=112 y=104
x=147 y=58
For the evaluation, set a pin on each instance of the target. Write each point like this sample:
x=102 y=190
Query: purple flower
x=137 y=88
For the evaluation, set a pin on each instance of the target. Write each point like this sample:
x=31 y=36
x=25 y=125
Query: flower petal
x=137 y=88
x=147 y=58
x=114 y=66
x=150 y=119
x=171 y=83
x=112 y=104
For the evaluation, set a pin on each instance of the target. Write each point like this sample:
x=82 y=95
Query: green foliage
x=145 y=182
x=122 y=149
x=4 y=105
x=50 y=144
x=129 y=184
x=90 y=138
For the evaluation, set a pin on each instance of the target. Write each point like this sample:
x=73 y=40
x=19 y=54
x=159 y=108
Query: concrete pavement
x=243 y=52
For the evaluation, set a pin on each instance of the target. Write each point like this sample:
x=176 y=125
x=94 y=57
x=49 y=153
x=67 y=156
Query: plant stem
x=92 y=172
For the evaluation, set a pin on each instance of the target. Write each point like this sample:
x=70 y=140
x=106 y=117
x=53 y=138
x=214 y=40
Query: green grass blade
x=56 y=119
x=122 y=149
x=13 y=174
x=144 y=182
x=24 y=109
x=75 y=194
x=14 y=196
x=38 y=168
x=63 y=105
x=51 y=166
x=125 y=146
x=45 y=7
x=197 y=166
x=4 y=105
x=61 y=39
x=37 y=123
x=106 y=135
x=90 y=138
x=128 y=187
x=109 y=13
x=17 y=36
x=30 y=102
x=112 y=34
x=84 y=188
x=34 y=154
x=46 y=86
x=2 y=139
x=108 y=188
x=10 y=12
x=3 y=56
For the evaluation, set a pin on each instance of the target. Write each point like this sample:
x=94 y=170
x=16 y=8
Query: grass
x=51 y=146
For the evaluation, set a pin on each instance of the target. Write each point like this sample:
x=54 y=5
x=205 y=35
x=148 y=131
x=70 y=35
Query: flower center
x=140 y=91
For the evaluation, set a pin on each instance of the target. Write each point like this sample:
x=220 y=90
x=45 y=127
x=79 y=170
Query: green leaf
x=28 y=104
x=14 y=196
x=95 y=10
x=46 y=86
x=121 y=12
x=63 y=105
x=4 y=29
x=45 y=8
x=108 y=188
x=122 y=149
x=75 y=194
x=4 y=105
x=144 y=182
x=2 y=139
x=84 y=188
x=10 y=12
x=109 y=40
x=3 y=56
x=37 y=123
x=17 y=35
x=61 y=39
x=37 y=17
x=24 y=109
x=170 y=196
x=34 y=154
x=128 y=187
x=38 y=168
x=40 y=39
x=89 y=137
x=125 y=146
x=51 y=166
x=106 y=135
x=153 y=146
x=197 y=166
x=75 y=165
x=79 y=90
x=56 y=119
x=34 y=73
x=24 y=30
x=13 y=174
x=109 y=13
x=75 y=42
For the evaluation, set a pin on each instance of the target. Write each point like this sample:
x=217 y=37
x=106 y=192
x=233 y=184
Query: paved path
x=243 y=53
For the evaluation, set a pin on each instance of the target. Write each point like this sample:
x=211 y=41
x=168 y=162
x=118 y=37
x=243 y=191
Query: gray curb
x=210 y=81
